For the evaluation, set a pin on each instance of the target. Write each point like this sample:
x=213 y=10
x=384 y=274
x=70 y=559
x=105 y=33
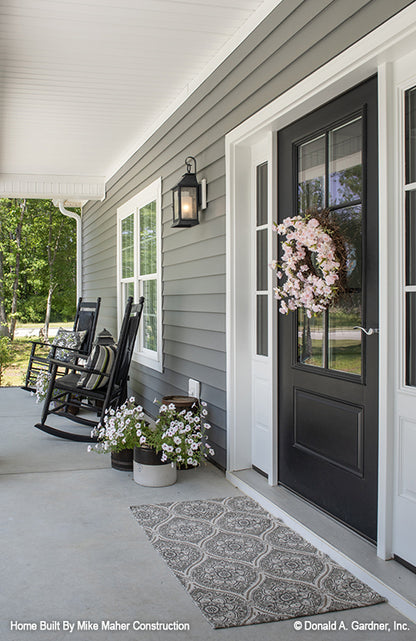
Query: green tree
x=37 y=263
x=54 y=251
x=13 y=216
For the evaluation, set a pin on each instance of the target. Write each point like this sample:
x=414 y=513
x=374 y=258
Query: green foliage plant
x=6 y=354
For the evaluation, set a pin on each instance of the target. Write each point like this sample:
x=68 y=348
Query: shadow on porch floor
x=72 y=551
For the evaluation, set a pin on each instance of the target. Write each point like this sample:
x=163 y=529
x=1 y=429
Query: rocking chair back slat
x=86 y=320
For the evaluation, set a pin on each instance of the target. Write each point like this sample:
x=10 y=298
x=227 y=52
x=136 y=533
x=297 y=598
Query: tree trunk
x=51 y=262
x=45 y=329
x=4 y=326
x=13 y=318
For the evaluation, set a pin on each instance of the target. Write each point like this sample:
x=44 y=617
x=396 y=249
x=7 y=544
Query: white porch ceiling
x=84 y=83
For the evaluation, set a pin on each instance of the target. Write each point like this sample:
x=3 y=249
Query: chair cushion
x=67 y=338
x=102 y=358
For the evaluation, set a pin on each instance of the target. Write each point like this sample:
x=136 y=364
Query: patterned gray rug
x=243 y=566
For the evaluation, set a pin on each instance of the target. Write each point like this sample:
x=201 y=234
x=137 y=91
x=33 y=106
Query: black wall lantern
x=188 y=197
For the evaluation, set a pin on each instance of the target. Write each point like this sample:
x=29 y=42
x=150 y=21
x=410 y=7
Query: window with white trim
x=139 y=268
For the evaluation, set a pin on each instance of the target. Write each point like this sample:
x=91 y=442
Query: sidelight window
x=410 y=235
x=262 y=262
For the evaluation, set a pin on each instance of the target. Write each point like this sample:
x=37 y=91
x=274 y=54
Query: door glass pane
x=311 y=336
x=345 y=163
x=410 y=125
x=262 y=263
x=150 y=315
x=127 y=247
x=329 y=340
x=262 y=325
x=344 y=342
x=349 y=223
x=411 y=238
x=311 y=174
x=148 y=264
x=261 y=195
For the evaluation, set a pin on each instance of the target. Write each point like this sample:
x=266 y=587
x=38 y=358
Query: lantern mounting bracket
x=188 y=161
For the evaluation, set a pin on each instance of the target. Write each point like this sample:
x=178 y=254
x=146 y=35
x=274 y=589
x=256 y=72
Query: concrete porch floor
x=71 y=551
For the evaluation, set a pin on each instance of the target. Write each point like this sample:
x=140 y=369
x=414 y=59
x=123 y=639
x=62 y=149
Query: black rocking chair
x=41 y=353
x=65 y=397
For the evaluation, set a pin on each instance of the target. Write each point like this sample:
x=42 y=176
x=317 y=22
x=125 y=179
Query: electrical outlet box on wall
x=194 y=388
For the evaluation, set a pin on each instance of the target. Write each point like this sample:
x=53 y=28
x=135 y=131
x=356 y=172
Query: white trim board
x=71 y=189
x=373 y=54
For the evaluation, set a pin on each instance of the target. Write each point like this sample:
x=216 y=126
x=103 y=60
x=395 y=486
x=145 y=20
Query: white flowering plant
x=121 y=429
x=313 y=263
x=181 y=435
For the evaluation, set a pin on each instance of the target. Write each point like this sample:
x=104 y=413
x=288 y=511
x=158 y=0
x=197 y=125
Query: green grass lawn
x=14 y=375
x=345 y=356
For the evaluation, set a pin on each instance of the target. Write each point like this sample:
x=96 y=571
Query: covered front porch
x=72 y=551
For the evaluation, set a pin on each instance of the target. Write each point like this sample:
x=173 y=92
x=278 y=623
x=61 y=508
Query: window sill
x=152 y=363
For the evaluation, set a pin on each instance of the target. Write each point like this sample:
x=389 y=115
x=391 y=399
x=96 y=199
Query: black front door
x=328 y=370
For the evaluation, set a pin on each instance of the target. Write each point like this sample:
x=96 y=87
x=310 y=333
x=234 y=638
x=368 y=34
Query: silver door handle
x=368 y=332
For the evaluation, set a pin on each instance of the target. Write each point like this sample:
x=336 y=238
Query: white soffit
x=84 y=84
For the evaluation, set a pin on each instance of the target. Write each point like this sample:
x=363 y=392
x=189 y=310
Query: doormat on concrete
x=243 y=566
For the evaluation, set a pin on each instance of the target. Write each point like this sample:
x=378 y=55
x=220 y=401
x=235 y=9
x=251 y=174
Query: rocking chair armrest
x=77 y=368
x=75 y=350
x=42 y=344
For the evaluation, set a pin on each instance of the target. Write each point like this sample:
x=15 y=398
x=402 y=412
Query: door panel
x=328 y=370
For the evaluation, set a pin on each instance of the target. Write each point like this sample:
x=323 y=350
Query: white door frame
x=374 y=54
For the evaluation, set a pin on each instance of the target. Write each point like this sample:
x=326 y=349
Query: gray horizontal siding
x=296 y=39
x=188 y=336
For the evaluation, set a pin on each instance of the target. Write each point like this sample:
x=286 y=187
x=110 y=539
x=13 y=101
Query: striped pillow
x=101 y=359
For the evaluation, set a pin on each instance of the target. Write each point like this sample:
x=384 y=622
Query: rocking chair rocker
x=41 y=353
x=72 y=391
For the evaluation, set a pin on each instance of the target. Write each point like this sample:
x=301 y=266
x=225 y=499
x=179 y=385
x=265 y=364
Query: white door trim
x=373 y=54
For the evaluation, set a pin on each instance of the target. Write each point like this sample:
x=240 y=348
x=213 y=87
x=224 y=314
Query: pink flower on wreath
x=304 y=287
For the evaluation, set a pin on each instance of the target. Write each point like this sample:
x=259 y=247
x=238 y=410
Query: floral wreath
x=313 y=262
